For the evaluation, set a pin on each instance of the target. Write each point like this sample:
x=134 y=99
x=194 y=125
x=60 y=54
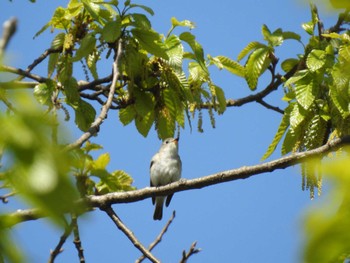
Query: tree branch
x=193 y=250
x=23 y=73
x=158 y=238
x=130 y=235
x=184 y=185
x=58 y=249
x=77 y=241
x=95 y=126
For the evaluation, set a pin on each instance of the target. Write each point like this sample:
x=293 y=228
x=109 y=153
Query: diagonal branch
x=193 y=250
x=158 y=238
x=95 y=126
x=184 y=185
x=110 y=212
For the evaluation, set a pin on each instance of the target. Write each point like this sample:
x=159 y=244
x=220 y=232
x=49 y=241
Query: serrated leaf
x=250 y=47
x=197 y=49
x=111 y=31
x=84 y=115
x=290 y=141
x=297 y=116
x=257 y=63
x=305 y=94
x=64 y=68
x=144 y=123
x=43 y=94
x=220 y=95
x=278 y=136
x=339 y=101
x=71 y=91
x=87 y=45
x=101 y=162
x=232 y=66
x=165 y=124
x=151 y=42
x=51 y=65
x=316 y=59
x=288 y=64
x=93 y=10
x=127 y=115
x=175 y=51
x=115 y=182
x=58 y=41
x=91 y=62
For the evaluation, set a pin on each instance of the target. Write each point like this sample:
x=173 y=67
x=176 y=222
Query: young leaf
x=305 y=94
x=84 y=115
x=250 y=47
x=257 y=63
x=111 y=31
x=316 y=59
x=278 y=136
x=127 y=115
x=87 y=45
x=43 y=93
x=232 y=66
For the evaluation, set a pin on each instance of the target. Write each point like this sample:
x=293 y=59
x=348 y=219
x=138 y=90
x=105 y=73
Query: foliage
x=153 y=88
x=164 y=81
x=327 y=226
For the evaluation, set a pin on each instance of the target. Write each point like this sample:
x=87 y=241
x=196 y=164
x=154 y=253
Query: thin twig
x=77 y=241
x=158 y=238
x=58 y=249
x=130 y=235
x=193 y=250
x=4 y=198
x=270 y=107
x=95 y=126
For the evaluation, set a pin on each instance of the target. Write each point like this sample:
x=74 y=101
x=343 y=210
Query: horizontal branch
x=221 y=177
x=197 y=183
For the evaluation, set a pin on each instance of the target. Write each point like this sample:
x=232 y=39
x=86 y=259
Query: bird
x=165 y=168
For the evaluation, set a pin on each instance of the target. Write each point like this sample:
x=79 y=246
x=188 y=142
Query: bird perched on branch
x=165 y=168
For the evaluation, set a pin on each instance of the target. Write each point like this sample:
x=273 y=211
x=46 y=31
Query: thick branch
x=23 y=73
x=183 y=185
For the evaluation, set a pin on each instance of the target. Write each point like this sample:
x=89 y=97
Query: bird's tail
x=158 y=211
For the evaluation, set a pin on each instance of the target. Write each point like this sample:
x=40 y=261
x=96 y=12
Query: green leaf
x=175 y=51
x=115 y=182
x=101 y=162
x=291 y=35
x=87 y=45
x=127 y=115
x=290 y=141
x=197 y=49
x=43 y=93
x=340 y=101
x=316 y=59
x=93 y=10
x=305 y=94
x=280 y=132
x=144 y=123
x=146 y=8
x=297 y=116
x=58 y=41
x=64 y=68
x=88 y=147
x=84 y=115
x=257 y=63
x=232 y=66
x=51 y=66
x=111 y=31
x=250 y=47
x=220 y=95
x=141 y=21
x=184 y=23
x=288 y=64
x=309 y=27
x=150 y=41
x=71 y=91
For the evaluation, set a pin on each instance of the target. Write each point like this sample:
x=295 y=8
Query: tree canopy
x=164 y=81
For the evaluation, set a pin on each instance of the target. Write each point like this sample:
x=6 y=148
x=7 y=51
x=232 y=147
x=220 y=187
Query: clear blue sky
x=253 y=220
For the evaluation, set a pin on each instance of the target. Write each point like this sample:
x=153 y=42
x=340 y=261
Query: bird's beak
x=176 y=140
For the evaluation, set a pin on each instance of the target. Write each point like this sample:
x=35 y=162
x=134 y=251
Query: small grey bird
x=165 y=168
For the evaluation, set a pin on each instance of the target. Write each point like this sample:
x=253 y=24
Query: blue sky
x=253 y=220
